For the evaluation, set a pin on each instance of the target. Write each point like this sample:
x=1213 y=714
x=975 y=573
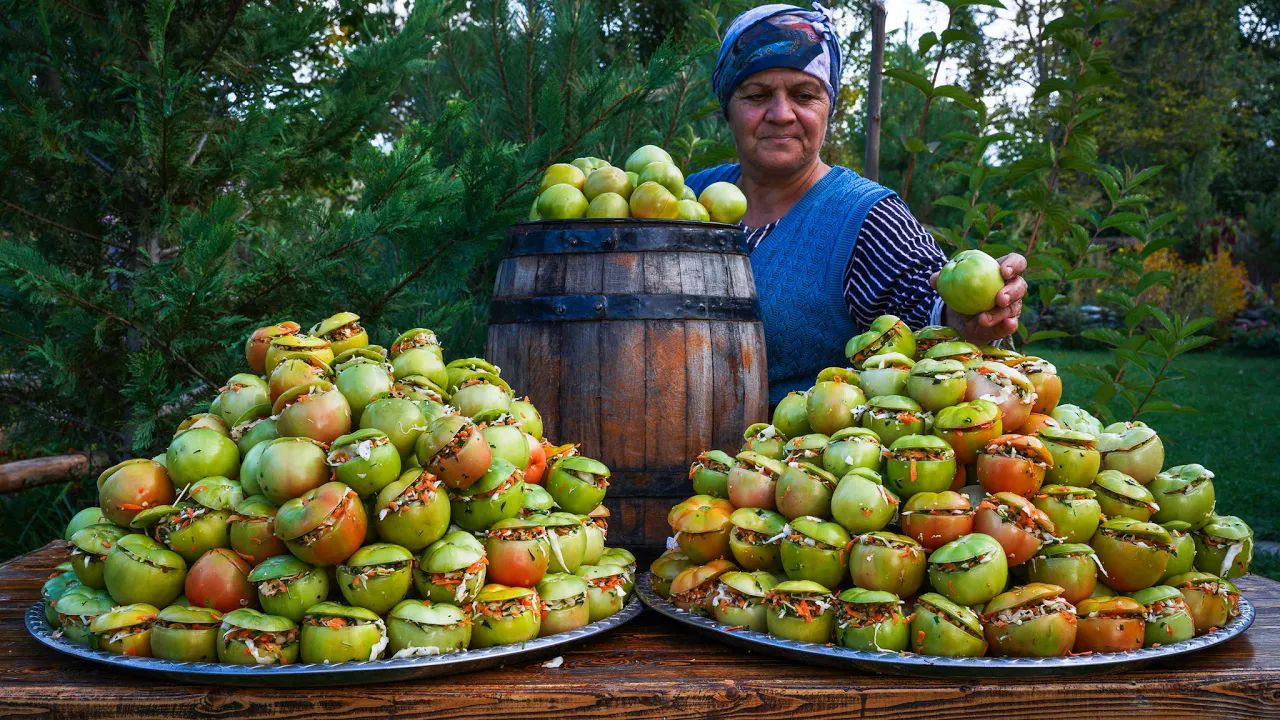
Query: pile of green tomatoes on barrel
x=935 y=497
x=342 y=501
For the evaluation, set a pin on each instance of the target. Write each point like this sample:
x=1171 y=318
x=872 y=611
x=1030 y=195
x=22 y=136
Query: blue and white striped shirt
x=888 y=271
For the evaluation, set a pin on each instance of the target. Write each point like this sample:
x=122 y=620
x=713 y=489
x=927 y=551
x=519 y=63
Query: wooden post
x=871 y=165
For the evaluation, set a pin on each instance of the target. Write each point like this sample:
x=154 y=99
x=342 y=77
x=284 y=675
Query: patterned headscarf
x=773 y=36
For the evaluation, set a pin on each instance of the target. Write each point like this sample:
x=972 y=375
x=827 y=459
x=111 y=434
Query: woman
x=831 y=250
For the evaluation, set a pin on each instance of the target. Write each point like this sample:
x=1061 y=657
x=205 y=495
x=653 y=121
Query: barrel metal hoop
x=572 y=308
x=605 y=236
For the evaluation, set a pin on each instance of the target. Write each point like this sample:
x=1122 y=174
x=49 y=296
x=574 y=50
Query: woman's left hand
x=1001 y=320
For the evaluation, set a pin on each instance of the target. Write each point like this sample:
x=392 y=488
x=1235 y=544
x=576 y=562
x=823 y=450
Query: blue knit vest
x=799 y=272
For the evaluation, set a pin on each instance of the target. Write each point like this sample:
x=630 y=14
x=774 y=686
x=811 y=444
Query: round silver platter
x=894 y=663
x=347 y=673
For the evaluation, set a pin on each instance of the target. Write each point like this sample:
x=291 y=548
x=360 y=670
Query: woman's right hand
x=1000 y=321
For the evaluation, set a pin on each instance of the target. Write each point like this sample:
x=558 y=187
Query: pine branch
x=377 y=306
x=569 y=57
x=222 y=35
x=67 y=228
x=113 y=315
x=529 y=11
x=500 y=64
x=676 y=115
x=566 y=147
x=82 y=11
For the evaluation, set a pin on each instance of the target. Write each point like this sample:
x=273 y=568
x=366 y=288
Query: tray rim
x=318 y=674
x=910 y=664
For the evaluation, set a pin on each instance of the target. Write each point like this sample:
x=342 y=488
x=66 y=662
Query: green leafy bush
x=1037 y=187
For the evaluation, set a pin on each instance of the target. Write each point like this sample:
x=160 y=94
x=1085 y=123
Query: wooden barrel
x=640 y=340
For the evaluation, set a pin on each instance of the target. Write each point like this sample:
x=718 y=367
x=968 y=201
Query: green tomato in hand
x=970 y=281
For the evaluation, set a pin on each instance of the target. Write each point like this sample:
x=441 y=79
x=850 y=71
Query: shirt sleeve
x=888 y=271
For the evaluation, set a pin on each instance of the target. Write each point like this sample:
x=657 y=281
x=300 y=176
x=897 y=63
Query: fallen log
x=23 y=474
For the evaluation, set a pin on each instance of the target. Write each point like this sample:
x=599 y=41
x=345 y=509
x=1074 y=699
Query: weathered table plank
x=652 y=668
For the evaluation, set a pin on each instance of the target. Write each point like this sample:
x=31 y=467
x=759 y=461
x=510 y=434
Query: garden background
x=176 y=174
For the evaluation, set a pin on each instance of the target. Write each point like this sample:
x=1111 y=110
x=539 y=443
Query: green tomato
x=361 y=635
x=970 y=570
x=186 y=634
x=561 y=202
x=724 y=202
x=665 y=174
x=800 y=610
x=941 y=627
x=970 y=281
x=861 y=503
x=417 y=627
x=287 y=587
x=141 y=570
x=856 y=627
x=643 y=156
x=1168 y=617
x=887 y=562
x=502 y=615
x=791 y=416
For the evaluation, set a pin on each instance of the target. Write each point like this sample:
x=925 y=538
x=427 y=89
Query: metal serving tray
x=893 y=663
x=347 y=673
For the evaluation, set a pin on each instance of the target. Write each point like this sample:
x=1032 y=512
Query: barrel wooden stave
x=644 y=396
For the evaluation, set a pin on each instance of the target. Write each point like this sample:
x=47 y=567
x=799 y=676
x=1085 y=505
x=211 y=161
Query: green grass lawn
x=1235 y=431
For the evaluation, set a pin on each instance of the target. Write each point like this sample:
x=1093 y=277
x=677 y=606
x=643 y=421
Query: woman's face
x=779 y=120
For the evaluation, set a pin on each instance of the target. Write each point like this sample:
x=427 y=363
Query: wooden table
x=651 y=668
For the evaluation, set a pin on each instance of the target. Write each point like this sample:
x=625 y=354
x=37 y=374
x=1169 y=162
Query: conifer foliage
x=178 y=174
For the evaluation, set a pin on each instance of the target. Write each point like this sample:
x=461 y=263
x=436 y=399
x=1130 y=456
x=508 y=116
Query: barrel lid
x=623 y=306
x=554 y=237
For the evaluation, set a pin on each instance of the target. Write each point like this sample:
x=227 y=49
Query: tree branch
x=924 y=114
x=67 y=228
x=498 y=63
x=113 y=315
x=222 y=34
x=382 y=301
x=582 y=132
x=530 y=10
x=23 y=474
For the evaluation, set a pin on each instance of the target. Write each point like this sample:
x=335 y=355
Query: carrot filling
x=1141 y=541
x=751 y=537
x=506 y=485
x=806 y=606
x=417 y=341
x=1020 y=516
x=600 y=481
x=567 y=603
x=962 y=565
x=727 y=597
x=339 y=510
x=362 y=575
x=264 y=647
x=519 y=534
x=277 y=586
x=507 y=609
x=125 y=633
x=349 y=330
x=1162 y=609
x=861 y=615
x=1015 y=452
x=362 y=450
x=419 y=492
x=807 y=541
x=1030 y=611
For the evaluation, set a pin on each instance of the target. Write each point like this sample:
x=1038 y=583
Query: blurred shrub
x=1215 y=287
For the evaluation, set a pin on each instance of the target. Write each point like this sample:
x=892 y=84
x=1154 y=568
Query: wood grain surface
x=652 y=668
x=644 y=396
